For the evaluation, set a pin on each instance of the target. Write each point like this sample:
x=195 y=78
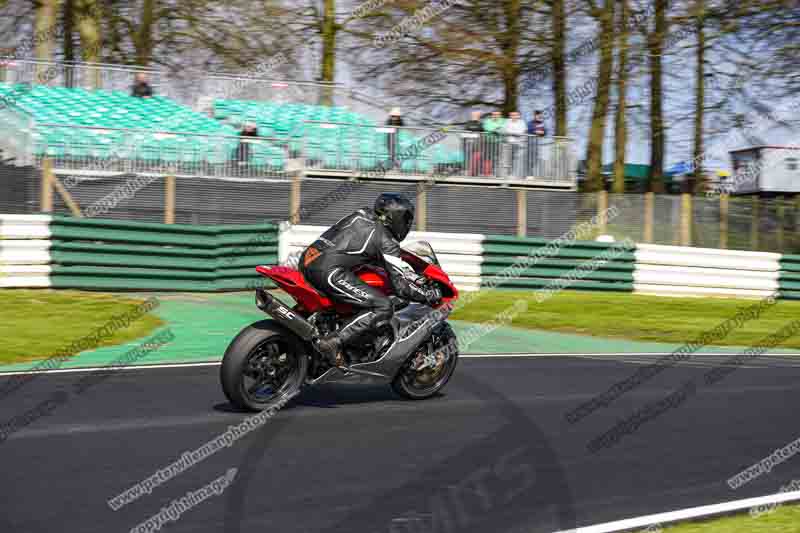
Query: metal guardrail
x=76 y=74
x=195 y=89
x=92 y=150
x=319 y=148
x=431 y=152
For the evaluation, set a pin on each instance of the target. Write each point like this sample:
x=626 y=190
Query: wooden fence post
x=46 y=194
x=422 y=206
x=294 y=200
x=522 y=212
x=602 y=208
x=755 y=218
x=169 y=200
x=686 y=219
x=781 y=222
x=649 y=203
x=65 y=195
x=723 y=220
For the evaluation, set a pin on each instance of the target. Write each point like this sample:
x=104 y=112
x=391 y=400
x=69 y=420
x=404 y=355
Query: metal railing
x=317 y=148
x=16 y=139
x=92 y=150
x=195 y=89
x=433 y=152
x=78 y=74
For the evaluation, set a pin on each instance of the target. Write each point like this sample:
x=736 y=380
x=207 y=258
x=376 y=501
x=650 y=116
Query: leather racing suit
x=356 y=240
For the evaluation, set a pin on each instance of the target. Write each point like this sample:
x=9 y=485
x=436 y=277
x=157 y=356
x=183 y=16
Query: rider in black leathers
x=366 y=237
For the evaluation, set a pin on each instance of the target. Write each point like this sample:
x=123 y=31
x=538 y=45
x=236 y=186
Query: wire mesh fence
x=747 y=223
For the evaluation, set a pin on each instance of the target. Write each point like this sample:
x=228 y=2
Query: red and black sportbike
x=270 y=360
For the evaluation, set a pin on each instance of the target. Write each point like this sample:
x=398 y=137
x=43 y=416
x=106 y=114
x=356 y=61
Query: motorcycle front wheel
x=262 y=366
x=415 y=383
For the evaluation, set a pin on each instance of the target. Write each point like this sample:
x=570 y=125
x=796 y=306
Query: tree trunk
x=656 y=49
x=45 y=27
x=699 y=99
x=510 y=47
x=557 y=57
x=89 y=29
x=144 y=35
x=620 y=128
x=328 y=29
x=69 y=42
x=594 y=149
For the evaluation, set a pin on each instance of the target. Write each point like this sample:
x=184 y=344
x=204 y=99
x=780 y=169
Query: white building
x=770 y=169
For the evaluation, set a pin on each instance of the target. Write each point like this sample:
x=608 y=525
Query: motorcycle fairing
x=412 y=327
x=293 y=282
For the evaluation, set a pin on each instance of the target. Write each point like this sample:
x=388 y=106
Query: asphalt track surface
x=492 y=454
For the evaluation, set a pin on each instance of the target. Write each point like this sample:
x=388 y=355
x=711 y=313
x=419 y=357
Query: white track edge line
x=466 y=356
x=686 y=514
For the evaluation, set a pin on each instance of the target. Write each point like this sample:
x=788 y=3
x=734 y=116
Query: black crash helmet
x=396 y=212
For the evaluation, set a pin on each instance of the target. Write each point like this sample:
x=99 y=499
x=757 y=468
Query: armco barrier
x=532 y=265
x=685 y=271
x=120 y=255
x=459 y=253
x=63 y=252
x=789 y=278
x=24 y=250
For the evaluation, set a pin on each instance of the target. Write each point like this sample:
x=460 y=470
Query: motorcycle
x=271 y=360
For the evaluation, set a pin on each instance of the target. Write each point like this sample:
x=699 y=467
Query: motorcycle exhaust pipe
x=285 y=316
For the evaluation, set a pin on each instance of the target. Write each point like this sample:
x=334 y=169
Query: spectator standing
x=473 y=145
x=492 y=141
x=395 y=120
x=536 y=126
x=141 y=88
x=536 y=130
x=515 y=130
x=243 y=150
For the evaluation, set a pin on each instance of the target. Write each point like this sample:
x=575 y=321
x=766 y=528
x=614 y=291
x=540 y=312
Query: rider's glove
x=433 y=295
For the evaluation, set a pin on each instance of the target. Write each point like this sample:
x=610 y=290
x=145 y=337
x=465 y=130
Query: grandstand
x=96 y=130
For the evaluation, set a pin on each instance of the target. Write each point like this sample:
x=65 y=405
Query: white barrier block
x=24 y=257
x=678 y=290
x=24 y=270
x=25 y=226
x=24 y=281
x=657 y=254
x=705 y=277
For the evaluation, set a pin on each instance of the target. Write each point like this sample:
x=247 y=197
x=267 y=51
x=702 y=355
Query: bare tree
x=620 y=128
x=698 y=183
x=45 y=22
x=557 y=56
x=655 y=46
x=594 y=148
x=472 y=54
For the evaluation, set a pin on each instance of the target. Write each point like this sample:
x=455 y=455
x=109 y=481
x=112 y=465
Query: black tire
x=404 y=382
x=252 y=355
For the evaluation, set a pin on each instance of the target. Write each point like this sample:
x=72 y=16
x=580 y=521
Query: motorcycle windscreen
x=423 y=250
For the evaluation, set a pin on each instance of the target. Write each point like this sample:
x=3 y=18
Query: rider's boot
x=330 y=346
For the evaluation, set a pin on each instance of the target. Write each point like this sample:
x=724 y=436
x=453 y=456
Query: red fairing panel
x=293 y=282
x=296 y=285
x=376 y=277
x=449 y=291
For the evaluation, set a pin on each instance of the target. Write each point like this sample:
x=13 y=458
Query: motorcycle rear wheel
x=262 y=366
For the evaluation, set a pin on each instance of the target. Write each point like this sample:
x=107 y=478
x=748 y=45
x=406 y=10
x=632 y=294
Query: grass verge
x=633 y=316
x=784 y=519
x=35 y=324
